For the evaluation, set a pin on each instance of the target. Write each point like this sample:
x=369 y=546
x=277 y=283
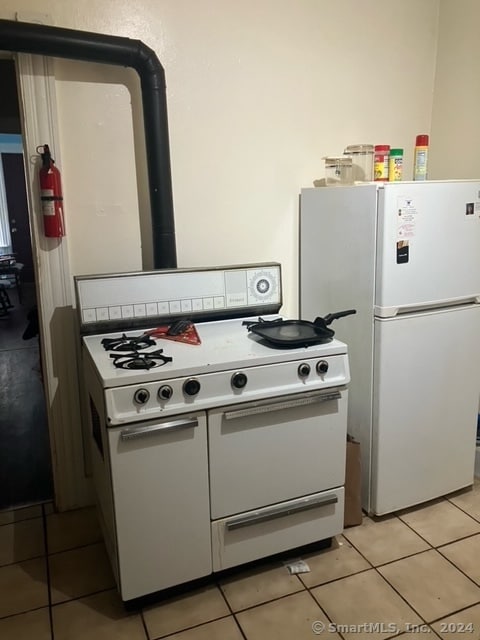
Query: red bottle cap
x=422 y=140
x=382 y=147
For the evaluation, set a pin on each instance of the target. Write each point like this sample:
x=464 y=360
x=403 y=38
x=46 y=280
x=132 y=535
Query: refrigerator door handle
x=391 y=312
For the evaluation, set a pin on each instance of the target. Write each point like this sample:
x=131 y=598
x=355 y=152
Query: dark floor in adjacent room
x=25 y=464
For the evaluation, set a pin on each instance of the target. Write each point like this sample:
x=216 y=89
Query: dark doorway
x=17 y=204
x=25 y=461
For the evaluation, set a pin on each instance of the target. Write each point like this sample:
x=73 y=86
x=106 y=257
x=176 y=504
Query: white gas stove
x=228 y=367
x=219 y=452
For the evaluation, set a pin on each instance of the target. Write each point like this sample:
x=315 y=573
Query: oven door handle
x=280 y=511
x=282 y=405
x=140 y=432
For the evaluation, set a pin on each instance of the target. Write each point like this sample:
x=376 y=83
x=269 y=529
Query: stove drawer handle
x=279 y=512
x=281 y=406
x=139 y=432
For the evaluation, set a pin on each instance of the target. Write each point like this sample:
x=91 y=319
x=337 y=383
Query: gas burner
x=127 y=343
x=136 y=360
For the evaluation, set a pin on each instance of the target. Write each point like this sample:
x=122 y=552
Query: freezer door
x=428 y=249
x=426 y=392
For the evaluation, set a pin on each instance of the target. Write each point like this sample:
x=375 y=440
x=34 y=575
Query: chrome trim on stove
x=280 y=406
x=139 y=432
x=280 y=511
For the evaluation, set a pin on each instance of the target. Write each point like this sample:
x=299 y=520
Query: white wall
x=455 y=143
x=258 y=92
x=98 y=162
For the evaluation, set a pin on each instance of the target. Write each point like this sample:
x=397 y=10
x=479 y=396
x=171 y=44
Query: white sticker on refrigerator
x=407 y=218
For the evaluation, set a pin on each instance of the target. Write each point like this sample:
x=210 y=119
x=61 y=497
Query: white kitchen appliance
x=407 y=256
x=214 y=454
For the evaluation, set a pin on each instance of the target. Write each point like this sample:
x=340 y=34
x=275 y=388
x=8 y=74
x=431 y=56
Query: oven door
x=264 y=453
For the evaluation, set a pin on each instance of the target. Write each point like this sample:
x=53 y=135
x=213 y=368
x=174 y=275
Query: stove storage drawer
x=160 y=487
x=267 y=452
x=264 y=532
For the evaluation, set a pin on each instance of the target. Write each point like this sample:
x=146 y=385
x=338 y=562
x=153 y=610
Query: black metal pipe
x=24 y=37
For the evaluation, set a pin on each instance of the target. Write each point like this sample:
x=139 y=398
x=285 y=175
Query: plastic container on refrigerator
x=338 y=170
x=362 y=160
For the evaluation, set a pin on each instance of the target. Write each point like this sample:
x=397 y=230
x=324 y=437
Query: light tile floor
x=417 y=573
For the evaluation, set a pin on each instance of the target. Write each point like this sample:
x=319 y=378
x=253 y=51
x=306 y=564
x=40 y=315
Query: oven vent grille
x=96 y=428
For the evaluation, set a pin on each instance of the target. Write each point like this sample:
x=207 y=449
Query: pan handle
x=330 y=317
x=261 y=322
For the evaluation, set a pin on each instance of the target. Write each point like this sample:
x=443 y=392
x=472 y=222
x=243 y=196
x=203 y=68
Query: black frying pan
x=296 y=333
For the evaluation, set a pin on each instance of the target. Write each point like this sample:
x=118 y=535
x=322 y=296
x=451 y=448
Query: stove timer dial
x=263 y=286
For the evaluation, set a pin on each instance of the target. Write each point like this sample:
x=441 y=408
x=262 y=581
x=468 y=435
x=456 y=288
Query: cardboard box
x=353 y=484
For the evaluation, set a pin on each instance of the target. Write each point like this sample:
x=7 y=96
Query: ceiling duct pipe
x=44 y=40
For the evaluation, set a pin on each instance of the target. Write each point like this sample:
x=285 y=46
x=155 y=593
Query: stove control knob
x=191 y=387
x=141 y=396
x=303 y=370
x=322 y=366
x=239 y=380
x=165 y=392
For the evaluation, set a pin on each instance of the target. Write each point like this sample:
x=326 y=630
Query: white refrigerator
x=406 y=255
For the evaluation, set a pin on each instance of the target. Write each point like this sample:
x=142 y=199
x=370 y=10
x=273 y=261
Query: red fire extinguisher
x=51 y=195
